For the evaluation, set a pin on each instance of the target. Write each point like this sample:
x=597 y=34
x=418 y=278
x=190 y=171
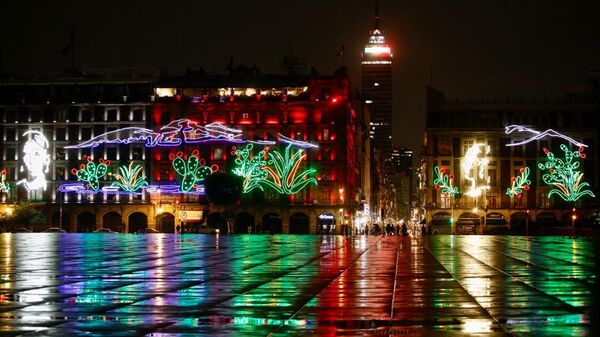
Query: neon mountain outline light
x=180 y=131
x=538 y=135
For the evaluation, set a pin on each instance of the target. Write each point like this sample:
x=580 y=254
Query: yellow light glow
x=377 y=50
x=165 y=92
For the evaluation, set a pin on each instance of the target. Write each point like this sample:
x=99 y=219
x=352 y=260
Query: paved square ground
x=286 y=285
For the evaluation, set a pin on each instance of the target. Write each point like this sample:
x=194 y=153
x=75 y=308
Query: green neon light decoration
x=443 y=182
x=250 y=167
x=282 y=169
x=129 y=178
x=91 y=173
x=564 y=175
x=4 y=185
x=519 y=184
x=192 y=171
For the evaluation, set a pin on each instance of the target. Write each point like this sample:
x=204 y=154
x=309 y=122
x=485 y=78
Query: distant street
x=286 y=285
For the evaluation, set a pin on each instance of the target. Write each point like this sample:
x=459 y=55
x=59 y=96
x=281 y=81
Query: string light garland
x=443 y=182
x=520 y=183
x=565 y=175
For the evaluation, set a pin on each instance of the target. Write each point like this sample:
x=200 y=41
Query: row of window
x=72 y=114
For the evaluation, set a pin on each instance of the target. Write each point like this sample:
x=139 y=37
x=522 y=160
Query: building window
x=86 y=115
x=11 y=153
x=111 y=115
x=492 y=201
x=245 y=116
x=86 y=133
x=165 y=117
x=59 y=173
x=111 y=153
x=218 y=153
x=164 y=155
x=136 y=153
x=326 y=134
x=518 y=151
x=99 y=114
x=467 y=144
x=445 y=147
x=164 y=172
x=61 y=133
x=445 y=201
x=493 y=174
x=138 y=115
x=11 y=134
x=60 y=153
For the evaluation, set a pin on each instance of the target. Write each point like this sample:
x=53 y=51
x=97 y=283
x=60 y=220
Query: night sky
x=490 y=48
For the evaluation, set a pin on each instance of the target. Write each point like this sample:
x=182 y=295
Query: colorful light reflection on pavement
x=259 y=285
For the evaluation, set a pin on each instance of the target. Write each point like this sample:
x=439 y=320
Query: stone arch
x=165 y=222
x=244 y=223
x=519 y=219
x=138 y=222
x=326 y=223
x=299 y=223
x=217 y=221
x=547 y=219
x=271 y=223
x=86 y=222
x=113 y=221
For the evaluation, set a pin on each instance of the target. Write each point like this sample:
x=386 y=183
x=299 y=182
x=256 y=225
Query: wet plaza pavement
x=261 y=285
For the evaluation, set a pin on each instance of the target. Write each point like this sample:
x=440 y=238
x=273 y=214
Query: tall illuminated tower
x=377 y=86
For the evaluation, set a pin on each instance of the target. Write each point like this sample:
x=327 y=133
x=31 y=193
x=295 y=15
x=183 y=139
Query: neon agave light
x=474 y=169
x=519 y=183
x=565 y=175
x=250 y=167
x=91 y=173
x=4 y=185
x=443 y=182
x=129 y=178
x=539 y=135
x=36 y=159
x=284 y=177
x=192 y=171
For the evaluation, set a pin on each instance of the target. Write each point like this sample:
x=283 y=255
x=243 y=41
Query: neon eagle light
x=36 y=159
x=474 y=169
x=564 y=175
x=538 y=135
x=178 y=132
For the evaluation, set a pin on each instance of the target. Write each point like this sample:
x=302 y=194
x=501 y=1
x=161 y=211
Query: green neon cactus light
x=519 y=184
x=250 y=167
x=282 y=171
x=91 y=173
x=564 y=175
x=443 y=182
x=192 y=171
x=129 y=178
x=4 y=185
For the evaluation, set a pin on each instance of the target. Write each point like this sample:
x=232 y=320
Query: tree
x=224 y=189
x=22 y=216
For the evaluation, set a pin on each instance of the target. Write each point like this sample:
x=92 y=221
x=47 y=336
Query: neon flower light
x=474 y=169
x=129 y=179
x=174 y=134
x=4 y=185
x=519 y=184
x=539 y=135
x=564 y=175
x=36 y=159
x=443 y=182
x=284 y=177
x=250 y=167
x=192 y=171
x=91 y=173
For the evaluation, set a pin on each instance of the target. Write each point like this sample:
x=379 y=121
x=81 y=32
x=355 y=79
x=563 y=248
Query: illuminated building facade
x=376 y=86
x=132 y=154
x=490 y=164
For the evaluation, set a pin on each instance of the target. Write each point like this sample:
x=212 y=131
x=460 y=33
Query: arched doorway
x=547 y=219
x=467 y=223
x=56 y=222
x=165 y=223
x=112 y=221
x=272 y=224
x=244 y=223
x=518 y=220
x=138 y=222
x=217 y=221
x=86 y=222
x=299 y=224
x=326 y=223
